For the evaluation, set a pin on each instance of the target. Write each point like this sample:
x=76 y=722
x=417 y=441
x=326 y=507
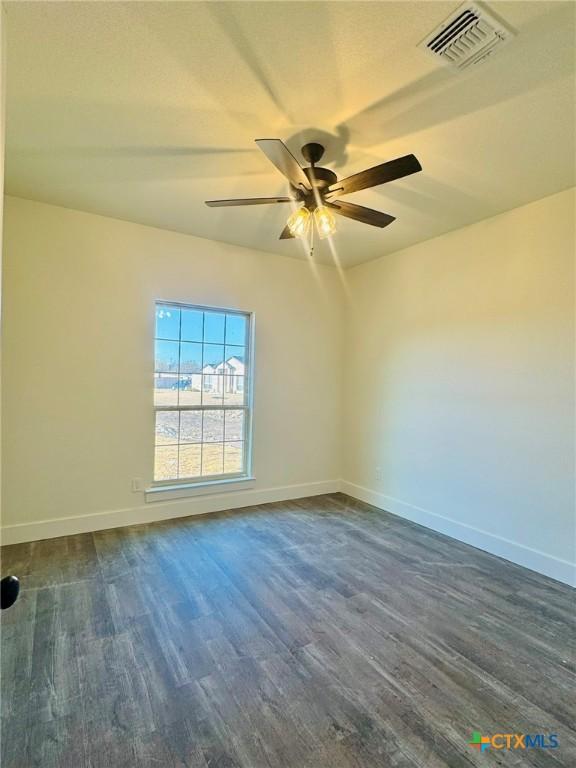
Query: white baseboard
x=535 y=560
x=150 y=513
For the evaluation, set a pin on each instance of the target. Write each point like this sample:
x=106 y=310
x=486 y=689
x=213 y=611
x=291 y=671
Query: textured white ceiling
x=142 y=111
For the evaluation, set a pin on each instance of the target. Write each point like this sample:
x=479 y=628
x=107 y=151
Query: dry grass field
x=166 y=396
x=198 y=443
x=189 y=461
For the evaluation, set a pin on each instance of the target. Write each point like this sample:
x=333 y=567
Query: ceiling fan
x=319 y=189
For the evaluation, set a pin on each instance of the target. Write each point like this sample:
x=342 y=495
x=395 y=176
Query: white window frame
x=228 y=479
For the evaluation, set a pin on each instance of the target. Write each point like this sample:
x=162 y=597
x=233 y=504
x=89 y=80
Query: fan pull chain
x=312 y=242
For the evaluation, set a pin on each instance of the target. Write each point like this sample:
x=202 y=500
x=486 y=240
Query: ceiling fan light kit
x=325 y=222
x=299 y=222
x=319 y=189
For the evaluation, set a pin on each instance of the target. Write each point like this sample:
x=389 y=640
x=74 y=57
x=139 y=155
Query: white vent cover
x=466 y=37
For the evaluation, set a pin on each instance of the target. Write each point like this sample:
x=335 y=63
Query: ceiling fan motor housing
x=320 y=178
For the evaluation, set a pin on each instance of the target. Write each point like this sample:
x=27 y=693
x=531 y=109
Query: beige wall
x=459 y=385
x=2 y=146
x=457 y=357
x=79 y=295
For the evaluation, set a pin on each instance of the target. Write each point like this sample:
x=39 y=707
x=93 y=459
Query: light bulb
x=299 y=222
x=325 y=222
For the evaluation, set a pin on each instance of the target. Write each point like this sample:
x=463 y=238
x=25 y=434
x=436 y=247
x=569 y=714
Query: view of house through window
x=201 y=384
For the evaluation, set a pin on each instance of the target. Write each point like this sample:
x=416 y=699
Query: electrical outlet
x=378 y=473
x=136 y=484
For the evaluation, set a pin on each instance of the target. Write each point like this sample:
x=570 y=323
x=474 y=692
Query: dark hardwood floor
x=312 y=633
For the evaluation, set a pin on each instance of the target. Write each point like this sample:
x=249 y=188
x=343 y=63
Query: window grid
x=201 y=440
x=202 y=408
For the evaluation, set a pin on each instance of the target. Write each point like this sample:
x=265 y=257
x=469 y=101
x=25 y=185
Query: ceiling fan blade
x=286 y=234
x=372 y=177
x=359 y=213
x=280 y=156
x=249 y=201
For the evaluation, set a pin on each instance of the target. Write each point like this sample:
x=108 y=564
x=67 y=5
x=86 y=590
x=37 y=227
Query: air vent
x=467 y=37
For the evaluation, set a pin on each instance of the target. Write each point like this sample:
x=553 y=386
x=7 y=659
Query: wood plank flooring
x=307 y=634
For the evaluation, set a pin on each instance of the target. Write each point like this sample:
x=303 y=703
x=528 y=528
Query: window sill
x=183 y=490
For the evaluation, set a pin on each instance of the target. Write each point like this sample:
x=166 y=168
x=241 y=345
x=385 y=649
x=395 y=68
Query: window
x=201 y=393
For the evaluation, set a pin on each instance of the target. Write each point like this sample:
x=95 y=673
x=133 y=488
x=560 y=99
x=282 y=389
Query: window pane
x=192 y=325
x=233 y=425
x=233 y=457
x=190 y=461
x=235 y=358
x=212 y=389
x=167 y=356
x=190 y=358
x=167 y=322
x=234 y=390
x=214 y=327
x=166 y=463
x=213 y=357
x=167 y=428
x=236 y=329
x=213 y=429
x=191 y=394
x=166 y=389
x=212 y=458
x=191 y=426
